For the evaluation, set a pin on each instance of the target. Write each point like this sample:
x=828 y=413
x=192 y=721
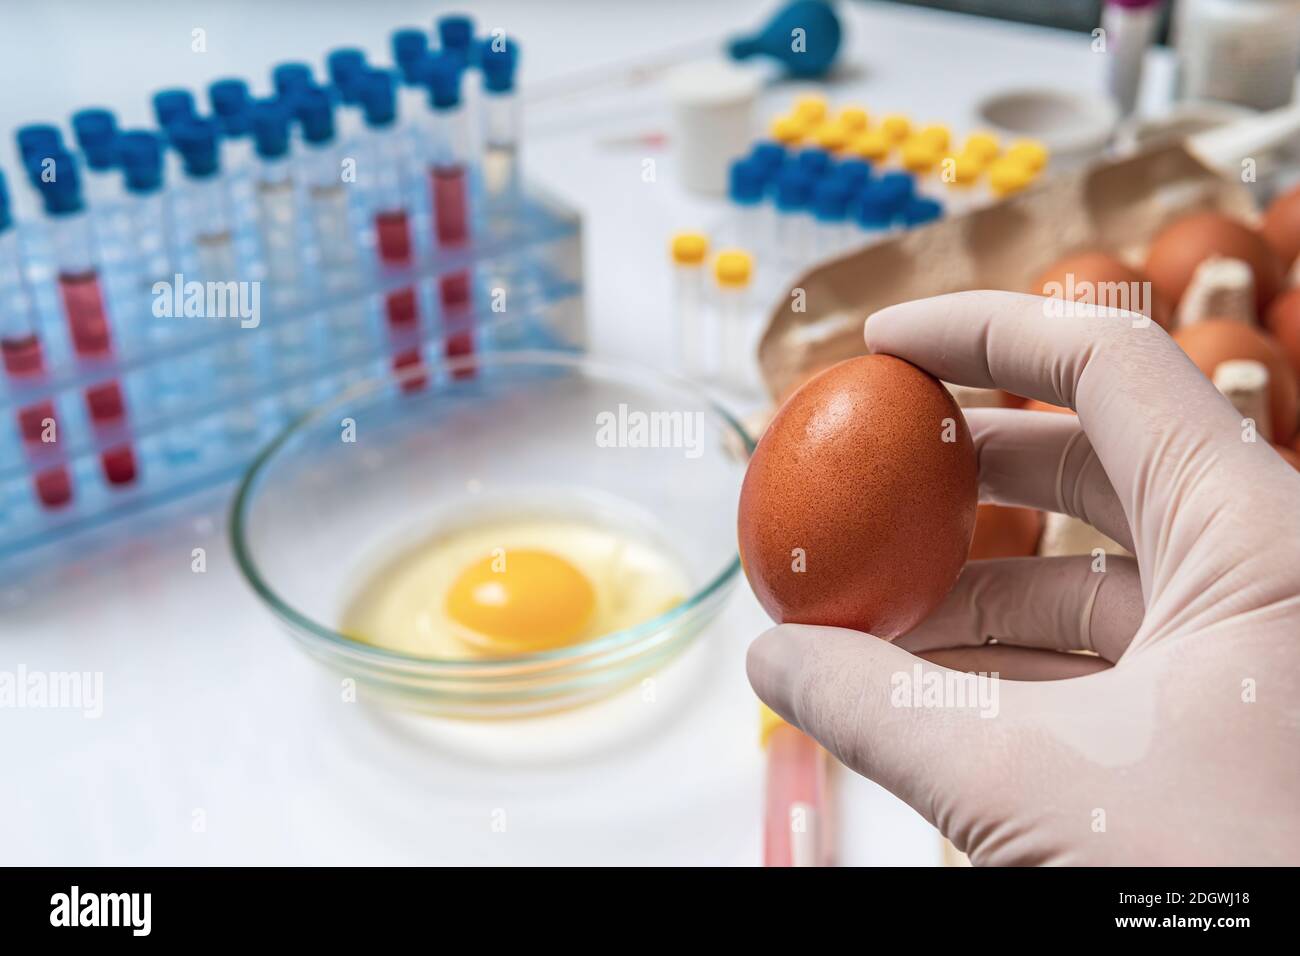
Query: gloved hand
x=1180 y=742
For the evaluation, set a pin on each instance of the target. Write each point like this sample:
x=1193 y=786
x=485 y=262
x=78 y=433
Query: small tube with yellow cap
x=797 y=828
x=733 y=270
x=689 y=251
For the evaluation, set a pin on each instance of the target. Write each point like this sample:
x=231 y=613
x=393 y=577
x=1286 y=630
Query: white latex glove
x=1180 y=743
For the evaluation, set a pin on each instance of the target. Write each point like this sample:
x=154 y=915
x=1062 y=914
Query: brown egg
x=1214 y=341
x=1005 y=532
x=1281 y=227
x=1183 y=245
x=1283 y=321
x=1100 y=278
x=859 y=502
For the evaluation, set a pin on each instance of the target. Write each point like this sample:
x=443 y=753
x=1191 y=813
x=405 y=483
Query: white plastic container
x=1238 y=51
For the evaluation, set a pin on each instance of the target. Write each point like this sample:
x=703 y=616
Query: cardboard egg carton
x=1118 y=206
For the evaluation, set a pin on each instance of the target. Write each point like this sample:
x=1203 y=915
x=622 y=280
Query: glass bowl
x=352 y=482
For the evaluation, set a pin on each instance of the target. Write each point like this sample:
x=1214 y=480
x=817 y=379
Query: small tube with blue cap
x=498 y=59
x=346 y=66
x=139 y=155
x=382 y=173
x=448 y=150
x=276 y=199
x=231 y=108
x=24 y=362
x=202 y=207
x=791 y=195
x=750 y=223
x=830 y=207
x=95 y=131
x=327 y=195
x=410 y=47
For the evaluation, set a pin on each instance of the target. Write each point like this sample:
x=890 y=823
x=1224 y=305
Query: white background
x=212 y=715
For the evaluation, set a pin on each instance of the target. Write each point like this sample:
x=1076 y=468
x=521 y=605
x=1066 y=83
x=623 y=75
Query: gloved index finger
x=1169 y=442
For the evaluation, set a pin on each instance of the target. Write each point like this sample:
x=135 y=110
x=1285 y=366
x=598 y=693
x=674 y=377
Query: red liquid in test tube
x=450 y=204
x=23 y=360
x=83 y=303
x=401 y=306
x=458 y=319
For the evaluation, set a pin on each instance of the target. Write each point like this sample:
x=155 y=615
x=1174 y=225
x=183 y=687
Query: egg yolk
x=524 y=600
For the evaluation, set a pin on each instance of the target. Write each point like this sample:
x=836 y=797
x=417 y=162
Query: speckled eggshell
x=854 y=479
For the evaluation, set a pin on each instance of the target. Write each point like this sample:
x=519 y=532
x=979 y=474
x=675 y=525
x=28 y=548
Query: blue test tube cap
x=793 y=188
x=830 y=202
x=57 y=180
x=291 y=78
x=172 y=106
x=874 y=207
x=95 y=130
x=230 y=102
x=921 y=210
x=345 y=66
x=378 y=99
x=139 y=154
x=270 y=119
x=456 y=34
x=814 y=161
x=745 y=182
x=196 y=140
x=498 y=57
x=855 y=173
x=410 y=47
x=899 y=188
x=768 y=155
x=315 y=111
x=38 y=140
x=442 y=73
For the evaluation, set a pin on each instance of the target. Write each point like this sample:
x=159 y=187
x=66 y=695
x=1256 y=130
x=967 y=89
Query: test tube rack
x=202 y=398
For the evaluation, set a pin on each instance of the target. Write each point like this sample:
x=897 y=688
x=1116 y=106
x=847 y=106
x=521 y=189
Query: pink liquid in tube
x=401 y=306
x=23 y=360
x=450 y=204
x=83 y=303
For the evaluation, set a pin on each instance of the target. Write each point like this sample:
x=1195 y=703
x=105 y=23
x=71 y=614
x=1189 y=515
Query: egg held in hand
x=859 y=503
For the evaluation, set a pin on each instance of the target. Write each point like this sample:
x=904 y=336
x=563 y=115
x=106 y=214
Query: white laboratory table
x=219 y=741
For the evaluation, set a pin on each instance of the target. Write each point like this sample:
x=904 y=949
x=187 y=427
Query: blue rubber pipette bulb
x=804 y=36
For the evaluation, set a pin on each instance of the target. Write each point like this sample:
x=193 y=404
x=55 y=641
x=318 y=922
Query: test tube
x=733 y=270
x=450 y=157
x=173 y=107
x=749 y=222
x=346 y=66
x=203 y=216
x=274 y=192
x=24 y=364
x=830 y=208
x=689 y=250
x=410 y=47
x=96 y=131
x=326 y=193
x=83 y=307
x=499 y=58
x=448 y=151
x=792 y=193
x=231 y=108
x=384 y=171
x=139 y=155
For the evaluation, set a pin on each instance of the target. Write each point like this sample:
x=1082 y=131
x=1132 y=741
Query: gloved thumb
x=924 y=732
